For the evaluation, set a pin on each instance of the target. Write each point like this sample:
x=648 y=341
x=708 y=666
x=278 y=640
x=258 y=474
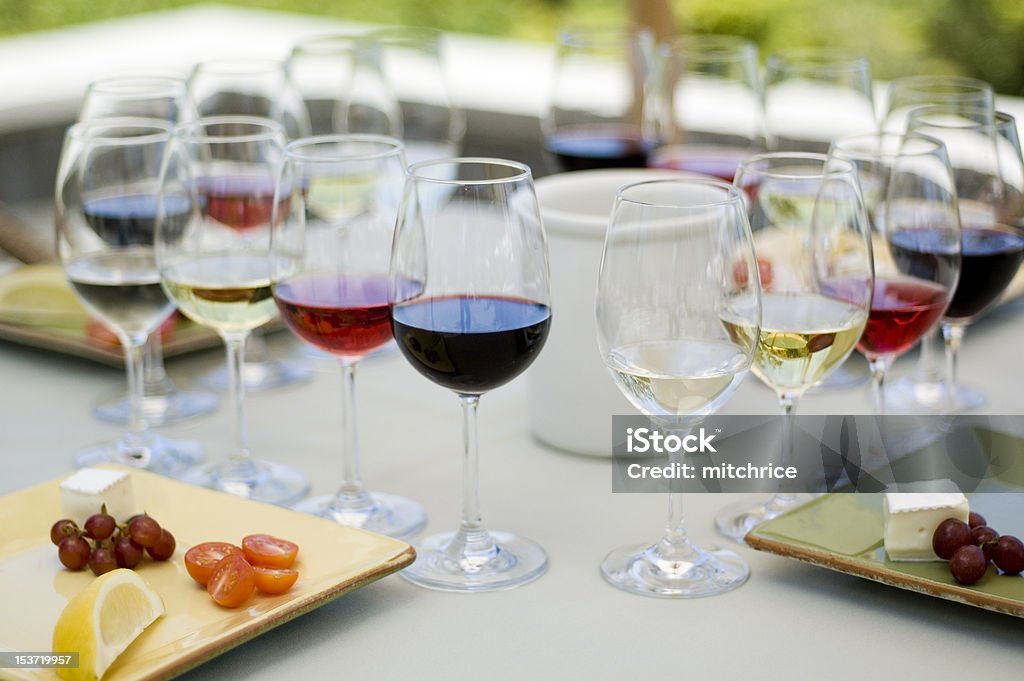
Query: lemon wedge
x=38 y=294
x=102 y=621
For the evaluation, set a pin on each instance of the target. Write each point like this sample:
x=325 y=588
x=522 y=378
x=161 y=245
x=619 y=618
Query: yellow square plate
x=333 y=560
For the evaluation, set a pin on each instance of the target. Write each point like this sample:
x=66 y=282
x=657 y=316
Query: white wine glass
x=166 y=99
x=338 y=199
x=678 y=314
x=811 y=231
x=216 y=267
x=106 y=208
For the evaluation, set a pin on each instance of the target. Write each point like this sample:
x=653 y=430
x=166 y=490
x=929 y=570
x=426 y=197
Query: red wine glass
x=471 y=311
x=707 y=101
x=910 y=197
x=337 y=200
x=596 y=116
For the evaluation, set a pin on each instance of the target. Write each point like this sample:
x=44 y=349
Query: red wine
x=587 y=148
x=990 y=259
x=471 y=345
x=240 y=202
x=130 y=219
x=348 y=316
x=720 y=162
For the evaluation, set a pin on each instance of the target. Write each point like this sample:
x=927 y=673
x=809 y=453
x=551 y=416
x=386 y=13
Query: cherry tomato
x=201 y=559
x=232 y=581
x=267 y=551
x=272 y=581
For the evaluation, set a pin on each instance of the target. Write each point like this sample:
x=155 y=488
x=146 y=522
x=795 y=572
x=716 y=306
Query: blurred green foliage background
x=980 y=38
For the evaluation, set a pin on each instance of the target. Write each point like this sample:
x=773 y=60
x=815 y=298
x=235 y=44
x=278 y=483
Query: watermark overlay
x=38 y=660
x=827 y=453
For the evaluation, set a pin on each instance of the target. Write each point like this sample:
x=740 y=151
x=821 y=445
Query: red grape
x=102 y=561
x=968 y=564
x=62 y=529
x=950 y=535
x=127 y=553
x=144 y=531
x=164 y=547
x=985 y=537
x=74 y=552
x=1008 y=555
x=976 y=520
x=100 y=526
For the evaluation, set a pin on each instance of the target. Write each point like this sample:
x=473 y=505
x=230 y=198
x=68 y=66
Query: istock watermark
x=828 y=453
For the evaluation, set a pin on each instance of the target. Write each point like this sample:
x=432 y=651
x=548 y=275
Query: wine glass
x=812 y=95
x=253 y=87
x=470 y=311
x=924 y=388
x=708 y=100
x=810 y=231
x=678 y=317
x=596 y=116
x=992 y=250
x=910 y=196
x=337 y=199
x=166 y=99
x=216 y=266
x=106 y=203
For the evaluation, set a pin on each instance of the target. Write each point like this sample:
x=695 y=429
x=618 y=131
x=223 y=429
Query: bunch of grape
x=112 y=545
x=970 y=546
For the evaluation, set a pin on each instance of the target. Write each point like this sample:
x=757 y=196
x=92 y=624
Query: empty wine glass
x=166 y=99
x=708 y=103
x=992 y=250
x=812 y=95
x=596 y=116
x=337 y=201
x=910 y=196
x=106 y=206
x=470 y=311
x=215 y=264
x=810 y=234
x=678 y=316
x=253 y=87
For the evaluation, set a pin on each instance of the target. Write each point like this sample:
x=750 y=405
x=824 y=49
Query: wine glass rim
x=238 y=66
x=195 y=130
x=598 y=36
x=814 y=59
x=712 y=46
x=943 y=84
x=326 y=44
x=136 y=85
x=404 y=34
x=733 y=193
x=848 y=145
x=413 y=171
x=388 y=147
x=747 y=166
x=159 y=130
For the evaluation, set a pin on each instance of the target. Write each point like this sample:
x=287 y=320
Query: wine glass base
x=272 y=483
x=736 y=520
x=159 y=410
x=909 y=395
x=392 y=515
x=167 y=456
x=257 y=376
x=850 y=374
x=638 y=570
x=517 y=561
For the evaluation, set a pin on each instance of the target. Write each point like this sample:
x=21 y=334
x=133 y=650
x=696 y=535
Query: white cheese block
x=911 y=519
x=85 y=493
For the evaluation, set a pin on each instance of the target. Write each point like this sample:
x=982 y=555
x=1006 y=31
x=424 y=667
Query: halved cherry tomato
x=201 y=559
x=232 y=581
x=275 y=581
x=271 y=552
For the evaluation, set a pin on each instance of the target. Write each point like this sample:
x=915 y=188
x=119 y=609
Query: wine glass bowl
x=677 y=278
x=338 y=198
x=470 y=307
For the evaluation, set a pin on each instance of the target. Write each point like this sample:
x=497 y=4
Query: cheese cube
x=85 y=493
x=911 y=519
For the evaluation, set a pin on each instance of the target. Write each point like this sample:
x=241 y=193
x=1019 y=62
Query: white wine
x=803 y=336
x=227 y=292
x=678 y=377
x=122 y=288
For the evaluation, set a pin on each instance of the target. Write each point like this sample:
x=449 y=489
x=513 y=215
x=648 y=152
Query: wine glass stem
x=928 y=368
x=954 y=335
x=788 y=401
x=239 y=460
x=155 y=379
x=351 y=495
x=471 y=542
x=879 y=367
x=133 y=447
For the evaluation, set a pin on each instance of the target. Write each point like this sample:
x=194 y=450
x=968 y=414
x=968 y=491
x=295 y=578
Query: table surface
x=789 y=621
